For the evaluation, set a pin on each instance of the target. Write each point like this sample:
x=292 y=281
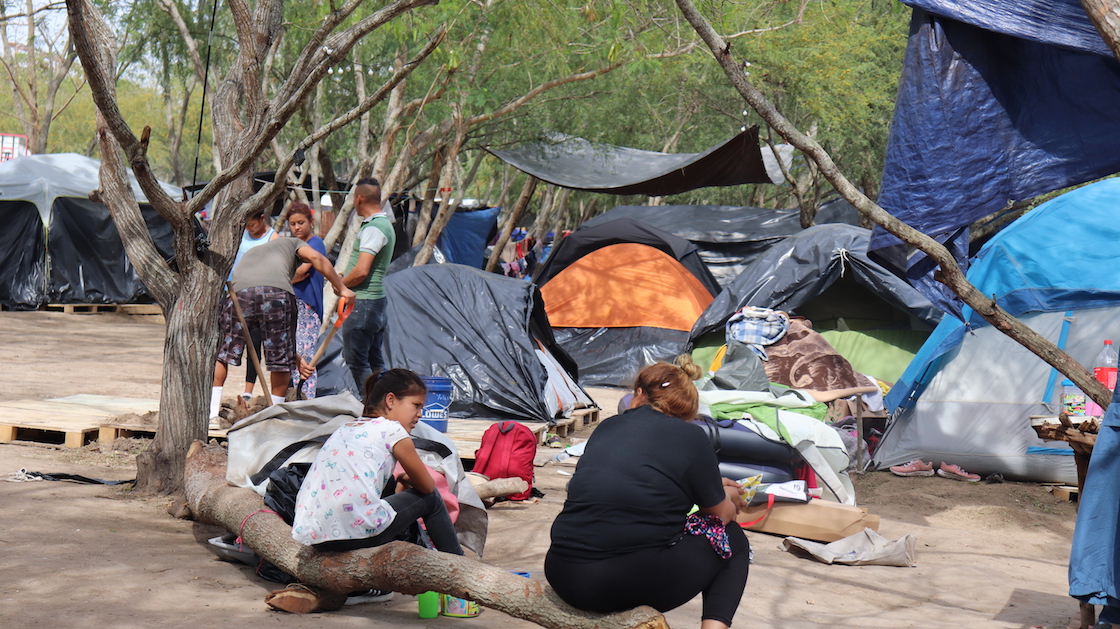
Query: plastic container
x=438 y=402
x=1104 y=369
x=427 y=604
x=1073 y=400
x=453 y=607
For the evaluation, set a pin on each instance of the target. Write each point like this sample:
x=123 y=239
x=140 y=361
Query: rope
x=242 y=526
x=205 y=85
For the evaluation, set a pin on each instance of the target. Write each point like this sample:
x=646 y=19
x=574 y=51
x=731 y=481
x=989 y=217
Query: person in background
x=364 y=330
x=262 y=284
x=308 y=286
x=625 y=537
x=257 y=232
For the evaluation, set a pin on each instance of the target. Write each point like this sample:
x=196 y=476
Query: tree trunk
x=949 y=273
x=397 y=566
x=507 y=231
x=190 y=347
x=424 y=218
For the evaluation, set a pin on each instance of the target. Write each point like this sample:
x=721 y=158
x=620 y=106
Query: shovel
x=261 y=374
x=343 y=312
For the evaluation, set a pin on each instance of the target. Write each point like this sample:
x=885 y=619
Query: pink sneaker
x=956 y=473
x=917 y=467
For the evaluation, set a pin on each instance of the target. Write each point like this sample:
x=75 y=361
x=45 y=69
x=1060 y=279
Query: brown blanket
x=804 y=360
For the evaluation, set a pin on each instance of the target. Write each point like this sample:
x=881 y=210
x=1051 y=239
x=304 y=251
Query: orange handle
x=344 y=310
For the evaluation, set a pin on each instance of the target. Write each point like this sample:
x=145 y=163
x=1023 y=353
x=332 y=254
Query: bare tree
x=245 y=120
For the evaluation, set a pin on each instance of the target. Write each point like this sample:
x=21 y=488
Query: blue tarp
x=464 y=238
x=1058 y=257
x=998 y=101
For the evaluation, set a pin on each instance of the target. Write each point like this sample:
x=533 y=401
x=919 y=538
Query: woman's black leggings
x=663 y=578
x=410 y=505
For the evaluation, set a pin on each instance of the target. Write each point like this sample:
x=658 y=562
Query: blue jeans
x=362 y=336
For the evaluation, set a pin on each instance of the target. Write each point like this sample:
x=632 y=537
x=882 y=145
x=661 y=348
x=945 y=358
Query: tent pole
x=514 y=217
x=860 y=449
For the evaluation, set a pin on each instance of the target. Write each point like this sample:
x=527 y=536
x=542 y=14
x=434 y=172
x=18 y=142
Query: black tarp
x=23 y=256
x=88 y=263
x=477 y=328
x=579 y=164
x=590 y=238
x=728 y=237
x=803 y=267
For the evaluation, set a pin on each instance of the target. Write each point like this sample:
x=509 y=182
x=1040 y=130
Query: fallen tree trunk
x=397 y=566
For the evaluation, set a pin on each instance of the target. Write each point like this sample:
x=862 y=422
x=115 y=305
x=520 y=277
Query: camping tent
x=968 y=394
x=489 y=334
x=728 y=237
x=871 y=317
x=623 y=295
x=57 y=245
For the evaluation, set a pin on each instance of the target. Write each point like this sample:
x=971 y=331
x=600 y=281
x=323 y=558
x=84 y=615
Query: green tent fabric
x=882 y=354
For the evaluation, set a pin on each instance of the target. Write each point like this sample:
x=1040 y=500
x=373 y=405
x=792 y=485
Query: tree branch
x=950 y=274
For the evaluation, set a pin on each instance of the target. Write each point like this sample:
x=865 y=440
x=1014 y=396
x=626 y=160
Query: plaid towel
x=757 y=327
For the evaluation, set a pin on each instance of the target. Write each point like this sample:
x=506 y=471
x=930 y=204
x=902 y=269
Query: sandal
x=298 y=598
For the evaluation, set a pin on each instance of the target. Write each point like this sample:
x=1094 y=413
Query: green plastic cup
x=428 y=604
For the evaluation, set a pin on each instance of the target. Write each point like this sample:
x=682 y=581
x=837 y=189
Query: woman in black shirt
x=624 y=537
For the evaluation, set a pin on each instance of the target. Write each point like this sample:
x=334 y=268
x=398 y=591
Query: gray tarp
x=579 y=164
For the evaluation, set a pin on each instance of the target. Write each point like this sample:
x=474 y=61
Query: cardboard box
x=818 y=520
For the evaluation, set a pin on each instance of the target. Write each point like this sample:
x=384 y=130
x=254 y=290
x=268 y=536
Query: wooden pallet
x=71 y=421
x=81 y=308
x=107 y=433
x=131 y=309
x=47 y=422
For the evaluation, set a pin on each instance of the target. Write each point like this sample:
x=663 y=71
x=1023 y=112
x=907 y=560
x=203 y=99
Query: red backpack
x=507 y=451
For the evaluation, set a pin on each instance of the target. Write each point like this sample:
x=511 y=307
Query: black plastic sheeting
x=579 y=164
x=88 y=264
x=87 y=260
x=590 y=238
x=333 y=374
x=999 y=101
x=23 y=256
x=478 y=329
x=801 y=267
x=727 y=237
x=613 y=356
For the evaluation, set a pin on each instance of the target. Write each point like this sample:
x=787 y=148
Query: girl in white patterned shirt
x=340 y=506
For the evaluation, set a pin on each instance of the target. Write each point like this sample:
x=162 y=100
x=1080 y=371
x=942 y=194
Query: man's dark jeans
x=362 y=336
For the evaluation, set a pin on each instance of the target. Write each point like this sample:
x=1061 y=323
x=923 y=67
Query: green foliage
x=832 y=65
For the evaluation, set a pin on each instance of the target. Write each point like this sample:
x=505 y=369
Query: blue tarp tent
x=968 y=394
x=998 y=101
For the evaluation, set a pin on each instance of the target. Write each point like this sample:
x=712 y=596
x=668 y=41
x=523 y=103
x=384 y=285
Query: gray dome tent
x=60 y=247
x=489 y=334
x=824 y=274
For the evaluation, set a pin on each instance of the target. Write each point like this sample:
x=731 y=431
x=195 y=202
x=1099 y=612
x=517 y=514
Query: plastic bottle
x=1104 y=369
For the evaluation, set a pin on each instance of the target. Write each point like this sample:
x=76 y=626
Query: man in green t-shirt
x=364 y=331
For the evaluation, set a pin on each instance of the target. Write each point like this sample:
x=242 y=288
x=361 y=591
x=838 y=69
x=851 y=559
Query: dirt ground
x=73 y=555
